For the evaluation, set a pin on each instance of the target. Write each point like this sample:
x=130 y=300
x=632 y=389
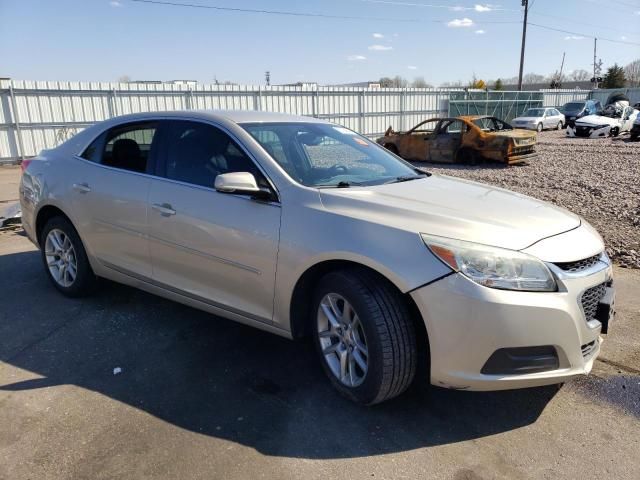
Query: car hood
x=454 y=208
x=596 y=120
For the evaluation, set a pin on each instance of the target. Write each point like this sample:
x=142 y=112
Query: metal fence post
x=314 y=103
x=188 y=99
x=257 y=100
x=402 y=119
x=15 y=119
x=361 y=111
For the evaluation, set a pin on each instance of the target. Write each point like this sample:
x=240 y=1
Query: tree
x=614 y=78
x=395 y=82
x=632 y=72
x=419 y=82
x=498 y=85
x=531 y=78
x=580 y=75
x=124 y=78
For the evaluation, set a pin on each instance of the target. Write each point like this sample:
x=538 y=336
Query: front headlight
x=491 y=266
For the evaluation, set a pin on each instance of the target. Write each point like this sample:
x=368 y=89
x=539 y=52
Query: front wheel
x=364 y=336
x=615 y=131
x=559 y=126
x=539 y=127
x=65 y=259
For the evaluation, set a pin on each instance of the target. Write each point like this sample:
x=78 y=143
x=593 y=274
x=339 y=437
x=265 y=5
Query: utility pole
x=597 y=66
x=525 y=4
x=267 y=77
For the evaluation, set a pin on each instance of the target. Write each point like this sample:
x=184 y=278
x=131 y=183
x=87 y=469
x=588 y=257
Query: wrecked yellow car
x=462 y=139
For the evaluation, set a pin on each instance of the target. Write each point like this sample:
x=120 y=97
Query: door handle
x=165 y=209
x=81 y=187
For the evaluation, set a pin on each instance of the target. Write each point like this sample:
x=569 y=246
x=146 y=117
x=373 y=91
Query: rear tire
x=361 y=321
x=65 y=259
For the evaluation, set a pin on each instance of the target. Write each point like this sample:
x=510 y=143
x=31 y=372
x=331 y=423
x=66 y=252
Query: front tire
x=539 y=127
x=364 y=335
x=559 y=127
x=65 y=259
x=391 y=147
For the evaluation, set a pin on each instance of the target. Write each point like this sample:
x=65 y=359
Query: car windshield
x=534 y=112
x=327 y=155
x=573 y=106
x=491 y=124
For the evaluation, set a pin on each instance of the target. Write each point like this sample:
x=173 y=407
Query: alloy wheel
x=61 y=257
x=342 y=340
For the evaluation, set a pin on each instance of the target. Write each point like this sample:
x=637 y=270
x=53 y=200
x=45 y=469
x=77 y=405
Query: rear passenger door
x=110 y=185
x=217 y=248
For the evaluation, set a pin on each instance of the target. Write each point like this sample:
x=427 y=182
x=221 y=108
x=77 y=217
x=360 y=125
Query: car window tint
x=128 y=147
x=93 y=152
x=197 y=153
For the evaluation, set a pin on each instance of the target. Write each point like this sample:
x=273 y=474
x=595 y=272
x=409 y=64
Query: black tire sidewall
x=539 y=128
x=85 y=278
x=341 y=284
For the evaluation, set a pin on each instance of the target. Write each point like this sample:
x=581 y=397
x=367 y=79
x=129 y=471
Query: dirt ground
x=202 y=397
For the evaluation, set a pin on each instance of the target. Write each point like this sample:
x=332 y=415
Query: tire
x=379 y=321
x=559 y=127
x=84 y=281
x=539 y=127
x=467 y=156
x=615 y=131
x=391 y=147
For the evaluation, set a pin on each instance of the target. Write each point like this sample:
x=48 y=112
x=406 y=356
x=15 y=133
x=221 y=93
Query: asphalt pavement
x=127 y=385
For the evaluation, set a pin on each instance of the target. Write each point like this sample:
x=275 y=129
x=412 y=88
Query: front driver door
x=415 y=144
x=446 y=141
x=218 y=248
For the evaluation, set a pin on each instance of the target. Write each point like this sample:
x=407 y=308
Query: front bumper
x=467 y=323
x=589 y=131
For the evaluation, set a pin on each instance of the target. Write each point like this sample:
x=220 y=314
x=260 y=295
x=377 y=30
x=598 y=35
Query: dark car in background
x=579 y=109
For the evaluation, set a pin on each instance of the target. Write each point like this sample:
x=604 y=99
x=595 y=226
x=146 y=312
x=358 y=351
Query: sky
x=342 y=41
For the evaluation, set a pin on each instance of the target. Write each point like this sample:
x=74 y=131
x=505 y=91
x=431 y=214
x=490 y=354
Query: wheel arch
x=300 y=305
x=46 y=213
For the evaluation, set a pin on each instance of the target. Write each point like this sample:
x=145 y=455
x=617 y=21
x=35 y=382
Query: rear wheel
x=539 y=127
x=65 y=258
x=364 y=336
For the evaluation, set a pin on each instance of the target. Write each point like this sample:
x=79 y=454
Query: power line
x=274 y=12
x=583 y=34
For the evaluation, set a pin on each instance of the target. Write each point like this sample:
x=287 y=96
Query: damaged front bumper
x=599 y=131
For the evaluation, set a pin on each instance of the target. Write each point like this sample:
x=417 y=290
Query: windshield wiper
x=340 y=184
x=406 y=178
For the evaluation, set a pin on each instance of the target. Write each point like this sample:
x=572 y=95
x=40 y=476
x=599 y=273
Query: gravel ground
x=597 y=179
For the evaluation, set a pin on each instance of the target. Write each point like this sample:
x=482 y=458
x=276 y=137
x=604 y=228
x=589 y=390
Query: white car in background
x=540 y=119
x=617 y=117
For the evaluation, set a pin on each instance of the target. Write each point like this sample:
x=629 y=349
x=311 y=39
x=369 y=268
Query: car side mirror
x=237 y=182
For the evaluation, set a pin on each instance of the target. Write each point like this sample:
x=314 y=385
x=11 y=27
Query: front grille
x=590 y=299
x=583 y=131
x=579 y=265
x=588 y=349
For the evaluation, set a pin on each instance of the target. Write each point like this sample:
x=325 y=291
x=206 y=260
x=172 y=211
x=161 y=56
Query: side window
x=197 y=153
x=93 y=152
x=126 y=147
x=451 y=127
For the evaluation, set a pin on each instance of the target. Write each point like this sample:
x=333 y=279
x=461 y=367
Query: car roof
x=236 y=116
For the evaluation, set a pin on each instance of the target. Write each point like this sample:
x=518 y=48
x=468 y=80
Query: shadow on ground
x=222 y=379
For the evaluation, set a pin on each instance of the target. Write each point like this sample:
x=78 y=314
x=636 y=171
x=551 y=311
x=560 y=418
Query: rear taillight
x=25 y=163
